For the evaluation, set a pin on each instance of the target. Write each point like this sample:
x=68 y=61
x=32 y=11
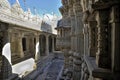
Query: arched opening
x=50 y=44
x=42 y=48
x=24 y=44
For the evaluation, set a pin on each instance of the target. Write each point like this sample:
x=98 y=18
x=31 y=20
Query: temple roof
x=64 y=23
x=16 y=8
x=14 y=14
x=5 y=4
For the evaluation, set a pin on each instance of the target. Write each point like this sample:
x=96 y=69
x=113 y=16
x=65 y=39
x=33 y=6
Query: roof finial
x=17 y=1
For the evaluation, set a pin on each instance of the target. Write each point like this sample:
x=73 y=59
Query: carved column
x=115 y=40
x=37 y=48
x=86 y=41
x=79 y=40
x=47 y=45
x=73 y=24
x=102 y=56
x=78 y=27
x=72 y=18
x=20 y=46
x=53 y=44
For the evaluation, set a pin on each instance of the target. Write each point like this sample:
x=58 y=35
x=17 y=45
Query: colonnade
x=18 y=44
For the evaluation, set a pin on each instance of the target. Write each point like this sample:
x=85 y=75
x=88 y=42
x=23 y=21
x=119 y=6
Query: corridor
x=49 y=68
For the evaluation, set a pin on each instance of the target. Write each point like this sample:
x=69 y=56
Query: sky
x=41 y=6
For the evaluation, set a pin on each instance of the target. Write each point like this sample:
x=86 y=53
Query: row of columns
x=46 y=42
x=6 y=36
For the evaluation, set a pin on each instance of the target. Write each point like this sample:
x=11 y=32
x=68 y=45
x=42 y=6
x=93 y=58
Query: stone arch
x=42 y=41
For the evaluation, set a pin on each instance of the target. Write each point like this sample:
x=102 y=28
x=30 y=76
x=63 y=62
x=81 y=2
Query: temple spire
x=17 y=1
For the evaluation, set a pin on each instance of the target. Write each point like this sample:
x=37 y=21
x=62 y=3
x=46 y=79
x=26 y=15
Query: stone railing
x=8 y=17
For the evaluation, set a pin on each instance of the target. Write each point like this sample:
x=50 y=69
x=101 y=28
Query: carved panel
x=103 y=59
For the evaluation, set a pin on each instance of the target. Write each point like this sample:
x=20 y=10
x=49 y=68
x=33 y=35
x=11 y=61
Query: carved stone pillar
x=78 y=27
x=47 y=45
x=72 y=18
x=53 y=44
x=103 y=56
x=20 y=46
x=79 y=40
x=72 y=36
x=115 y=40
x=37 y=48
x=66 y=64
x=86 y=41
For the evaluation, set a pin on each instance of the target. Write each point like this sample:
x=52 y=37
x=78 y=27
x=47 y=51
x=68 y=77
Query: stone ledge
x=95 y=71
x=102 y=73
x=13 y=77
